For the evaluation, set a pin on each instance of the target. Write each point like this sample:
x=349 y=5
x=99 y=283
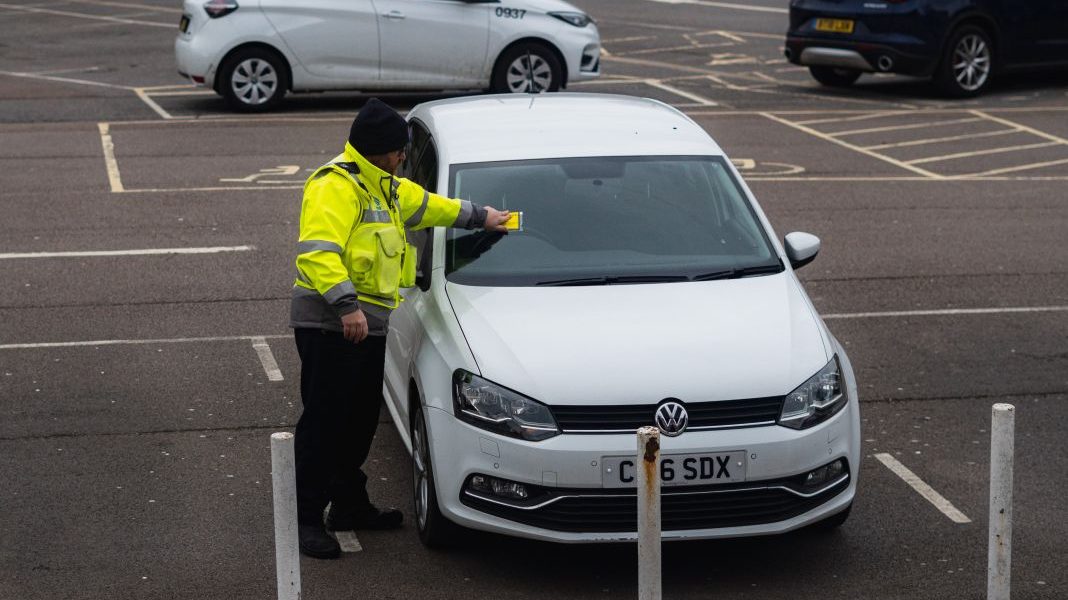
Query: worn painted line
x=64 y=13
x=64 y=79
x=905 y=127
x=187 y=340
x=146 y=7
x=112 y=165
x=952 y=138
x=674 y=90
x=947 y=312
x=138 y=252
x=729 y=35
x=348 y=541
x=1049 y=163
x=1000 y=150
x=1020 y=126
x=854 y=147
x=943 y=505
x=855 y=117
x=270 y=365
x=211 y=189
x=730 y=5
x=155 y=107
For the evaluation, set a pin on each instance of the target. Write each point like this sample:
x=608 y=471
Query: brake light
x=219 y=8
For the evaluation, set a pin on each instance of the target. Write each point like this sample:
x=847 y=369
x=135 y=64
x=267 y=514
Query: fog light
x=824 y=474
x=501 y=488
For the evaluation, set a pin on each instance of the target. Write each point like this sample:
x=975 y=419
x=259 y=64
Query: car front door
x=405 y=327
x=434 y=43
x=336 y=40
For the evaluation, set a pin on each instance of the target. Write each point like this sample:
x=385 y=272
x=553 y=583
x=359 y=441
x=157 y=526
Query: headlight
x=489 y=406
x=815 y=400
x=574 y=18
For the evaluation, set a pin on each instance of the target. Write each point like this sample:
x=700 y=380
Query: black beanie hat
x=378 y=129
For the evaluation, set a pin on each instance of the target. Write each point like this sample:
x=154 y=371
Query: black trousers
x=341 y=389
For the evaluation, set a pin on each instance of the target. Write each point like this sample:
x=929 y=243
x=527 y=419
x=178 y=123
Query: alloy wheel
x=419 y=468
x=971 y=62
x=527 y=70
x=254 y=81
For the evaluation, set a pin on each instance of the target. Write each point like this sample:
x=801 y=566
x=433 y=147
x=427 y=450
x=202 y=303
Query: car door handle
x=396 y=15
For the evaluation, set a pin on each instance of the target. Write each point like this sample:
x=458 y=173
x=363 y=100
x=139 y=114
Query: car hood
x=638 y=344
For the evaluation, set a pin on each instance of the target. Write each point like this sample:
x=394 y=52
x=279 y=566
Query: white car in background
x=253 y=51
x=646 y=286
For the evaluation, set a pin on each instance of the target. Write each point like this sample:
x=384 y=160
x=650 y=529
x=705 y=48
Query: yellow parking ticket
x=515 y=221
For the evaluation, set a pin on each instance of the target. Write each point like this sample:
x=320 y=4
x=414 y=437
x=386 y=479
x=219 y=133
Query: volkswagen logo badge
x=671 y=418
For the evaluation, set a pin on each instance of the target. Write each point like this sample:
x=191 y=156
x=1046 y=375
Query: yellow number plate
x=834 y=25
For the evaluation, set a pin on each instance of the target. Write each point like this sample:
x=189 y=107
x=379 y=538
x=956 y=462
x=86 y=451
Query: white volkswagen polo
x=644 y=286
x=253 y=51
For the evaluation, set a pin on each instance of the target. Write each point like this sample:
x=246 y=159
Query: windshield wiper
x=738 y=273
x=622 y=279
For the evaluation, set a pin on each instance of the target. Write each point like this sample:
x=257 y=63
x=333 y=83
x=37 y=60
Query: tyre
x=834 y=77
x=527 y=67
x=253 y=80
x=834 y=521
x=967 y=63
x=435 y=531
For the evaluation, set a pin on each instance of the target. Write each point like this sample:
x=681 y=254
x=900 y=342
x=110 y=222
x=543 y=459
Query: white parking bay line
x=348 y=541
x=139 y=252
x=112 y=165
x=947 y=312
x=187 y=340
x=270 y=366
x=922 y=488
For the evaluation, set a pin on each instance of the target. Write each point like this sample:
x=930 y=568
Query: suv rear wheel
x=833 y=76
x=967 y=63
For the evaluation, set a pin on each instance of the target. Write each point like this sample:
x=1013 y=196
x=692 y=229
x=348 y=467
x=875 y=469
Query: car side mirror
x=801 y=248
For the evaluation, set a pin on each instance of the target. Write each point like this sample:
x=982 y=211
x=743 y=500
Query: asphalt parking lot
x=147 y=238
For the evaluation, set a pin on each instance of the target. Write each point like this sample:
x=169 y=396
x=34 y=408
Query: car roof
x=518 y=126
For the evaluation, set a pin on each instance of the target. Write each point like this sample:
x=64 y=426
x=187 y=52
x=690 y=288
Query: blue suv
x=959 y=43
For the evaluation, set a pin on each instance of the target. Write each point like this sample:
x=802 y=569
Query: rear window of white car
x=601 y=220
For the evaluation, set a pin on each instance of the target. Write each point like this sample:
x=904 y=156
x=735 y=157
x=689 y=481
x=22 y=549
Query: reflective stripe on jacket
x=352 y=247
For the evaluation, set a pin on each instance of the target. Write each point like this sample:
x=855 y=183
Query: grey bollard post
x=999 y=551
x=286 y=543
x=649 y=584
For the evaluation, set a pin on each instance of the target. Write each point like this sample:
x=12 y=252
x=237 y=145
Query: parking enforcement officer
x=352 y=260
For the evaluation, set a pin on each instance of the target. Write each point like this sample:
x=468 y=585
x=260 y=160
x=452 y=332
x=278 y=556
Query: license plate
x=834 y=25
x=183 y=23
x=677 y=469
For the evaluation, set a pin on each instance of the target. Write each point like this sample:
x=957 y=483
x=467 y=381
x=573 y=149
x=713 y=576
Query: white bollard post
x=999 y=554
x=286 y=542
x=649 y=585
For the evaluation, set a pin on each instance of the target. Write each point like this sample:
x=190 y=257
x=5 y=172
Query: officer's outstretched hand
x=495 y=219
x=355 y=324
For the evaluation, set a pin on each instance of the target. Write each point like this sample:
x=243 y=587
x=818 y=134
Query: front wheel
x=435 y=531
x=527 y=68
x=967 y=63
x=252 y=80
x=834 y=77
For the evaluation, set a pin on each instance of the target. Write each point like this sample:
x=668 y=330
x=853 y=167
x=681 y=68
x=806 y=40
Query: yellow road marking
x=853 y=147
x=952 y=138
x=667 y=88
x=110 y=163
x=855 y=118
x=64 y=13
x=920 y=161
x=1021 y=127
x=147 y=7
x=904 y=127
x=1050 y=163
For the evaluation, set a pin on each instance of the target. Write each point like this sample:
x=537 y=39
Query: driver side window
x=422 y=168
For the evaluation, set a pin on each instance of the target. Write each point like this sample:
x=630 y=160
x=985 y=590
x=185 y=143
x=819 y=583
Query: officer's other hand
x=355 y=324
x=495 y=219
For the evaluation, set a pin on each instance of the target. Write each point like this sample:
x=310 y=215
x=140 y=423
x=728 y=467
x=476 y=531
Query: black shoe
x=343 y=519
x=317 y=543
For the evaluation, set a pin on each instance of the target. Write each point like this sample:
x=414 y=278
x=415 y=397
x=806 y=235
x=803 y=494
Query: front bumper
x=568 y=467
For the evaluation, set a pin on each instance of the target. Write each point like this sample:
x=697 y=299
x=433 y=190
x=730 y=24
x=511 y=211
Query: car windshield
x=607 y=220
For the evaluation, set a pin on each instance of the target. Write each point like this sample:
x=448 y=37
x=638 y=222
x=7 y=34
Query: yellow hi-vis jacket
x=352 y=247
